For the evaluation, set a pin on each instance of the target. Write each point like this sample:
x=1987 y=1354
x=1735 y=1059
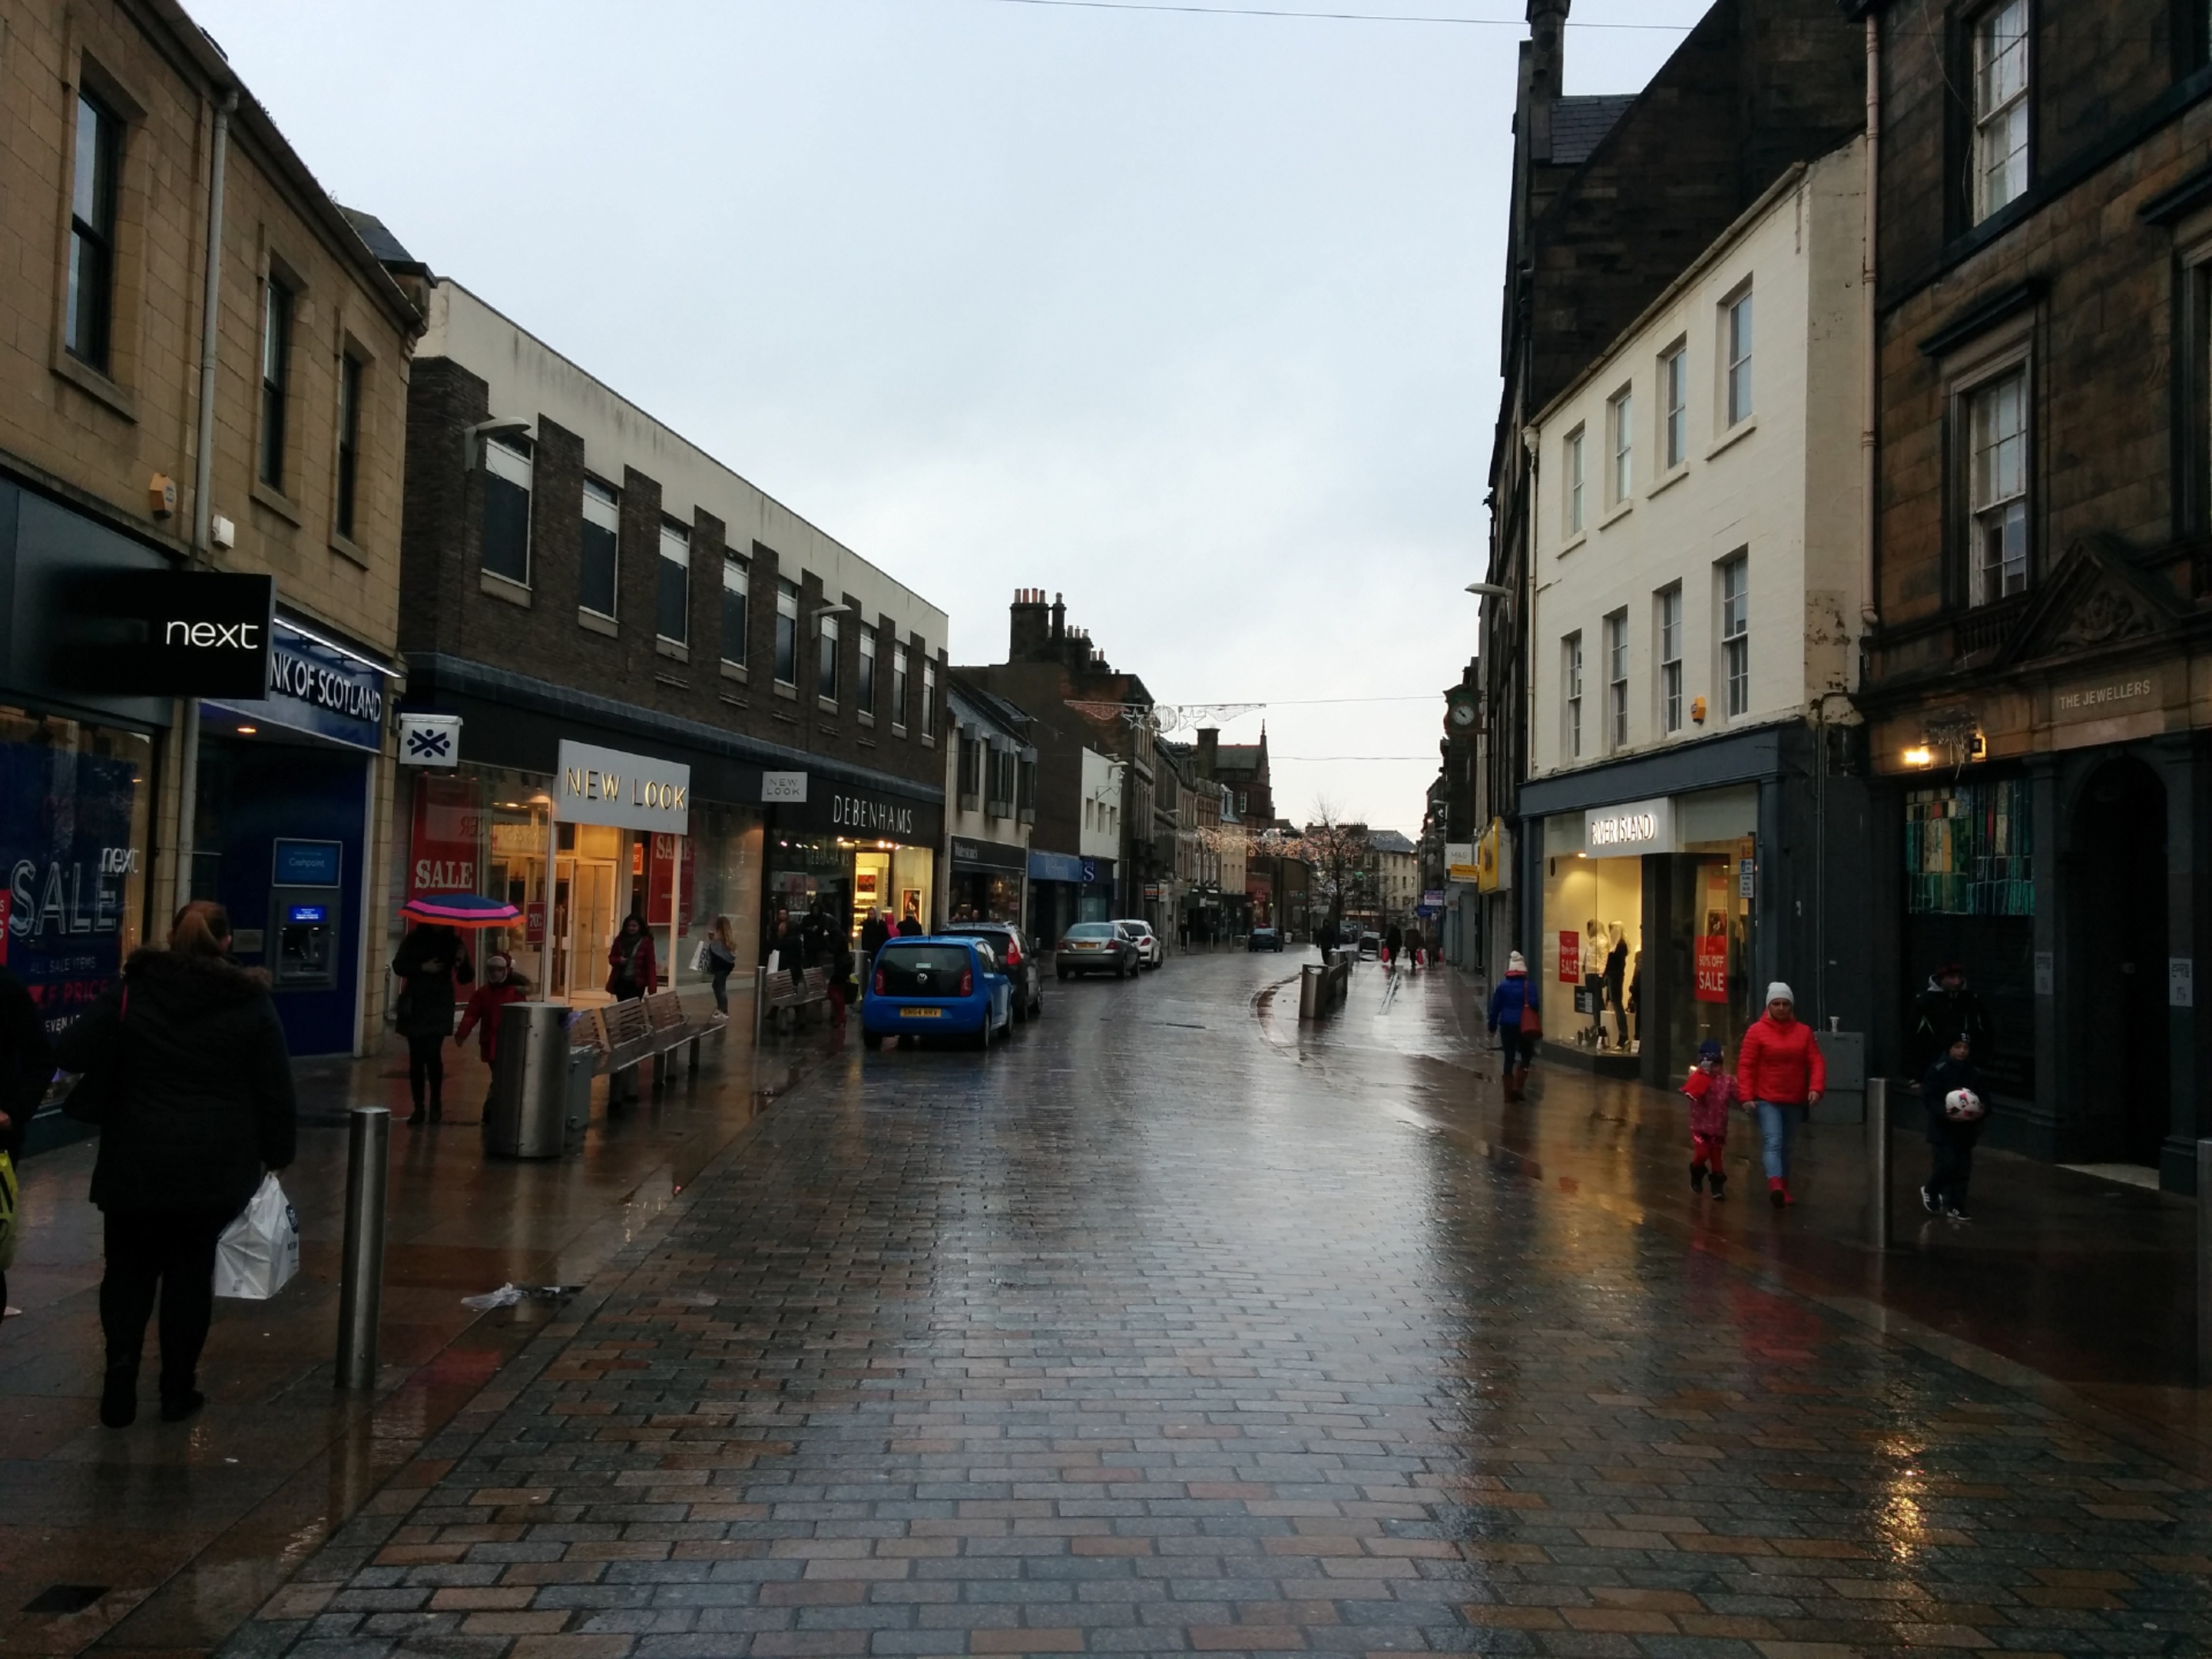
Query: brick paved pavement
x=1137 y=1336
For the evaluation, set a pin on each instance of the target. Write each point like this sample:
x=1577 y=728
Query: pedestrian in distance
x=1781 y=1072
x=910 y=924
x=1414 y=949
x=1713 y=1094
x=196 y=1106
x=1951 y=1095
x=502 y=985
x=27 y=1065
x=875 y=933
x=430 y=966
x=1616 y=977
x=1944 y=1009
x=1513 y=1009
x=721 y=959
x=1393 y=943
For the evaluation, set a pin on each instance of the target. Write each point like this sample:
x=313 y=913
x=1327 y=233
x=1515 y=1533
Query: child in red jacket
x=1712 y=1092
x=502 y=985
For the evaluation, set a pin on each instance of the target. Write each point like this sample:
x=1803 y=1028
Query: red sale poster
x=1571 y=958
x=1710 y=965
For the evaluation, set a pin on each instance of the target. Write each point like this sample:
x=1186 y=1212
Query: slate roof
x=1579 y=124
x=1236 y=757
x=1389 y=840
x=378 y=238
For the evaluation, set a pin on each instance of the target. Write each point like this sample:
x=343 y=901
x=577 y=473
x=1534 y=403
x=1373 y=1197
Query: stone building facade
x=115 y=116
x=2037 y=678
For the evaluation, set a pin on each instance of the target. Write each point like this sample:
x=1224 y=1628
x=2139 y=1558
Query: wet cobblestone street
x=1139 y=1334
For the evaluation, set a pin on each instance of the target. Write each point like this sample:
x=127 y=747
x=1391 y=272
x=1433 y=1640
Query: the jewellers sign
x=1629 y=830
x=622 y=791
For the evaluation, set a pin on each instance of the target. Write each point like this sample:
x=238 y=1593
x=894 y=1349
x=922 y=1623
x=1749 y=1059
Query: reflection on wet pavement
x=1166 y=1327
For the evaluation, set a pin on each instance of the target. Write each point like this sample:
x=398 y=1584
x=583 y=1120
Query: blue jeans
x=1776 y=1124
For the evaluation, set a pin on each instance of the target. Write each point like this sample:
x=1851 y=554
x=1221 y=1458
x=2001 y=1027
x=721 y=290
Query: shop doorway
x=2116 y=991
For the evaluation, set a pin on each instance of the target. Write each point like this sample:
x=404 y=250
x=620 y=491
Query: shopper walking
x=721 y=961
x=502 y=985
x=1393 y=943
x=1782 y=1073
x=430 y=966
x=1513 y=1005
x=1944 y=1009
x=197 y=1091
x=1951 y=1095
x=27 y=1065
x=1713 y=1094
x=875 y=933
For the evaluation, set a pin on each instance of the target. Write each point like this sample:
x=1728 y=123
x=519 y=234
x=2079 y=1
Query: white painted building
x=1694 y=623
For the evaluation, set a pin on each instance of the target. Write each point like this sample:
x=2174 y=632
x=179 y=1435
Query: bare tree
x=1336 y=852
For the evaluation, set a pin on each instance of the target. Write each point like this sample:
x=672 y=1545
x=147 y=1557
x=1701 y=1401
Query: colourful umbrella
x=460 y=910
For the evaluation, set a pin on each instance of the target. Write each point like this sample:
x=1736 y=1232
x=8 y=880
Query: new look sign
x=622 y=791
x=1629 y=830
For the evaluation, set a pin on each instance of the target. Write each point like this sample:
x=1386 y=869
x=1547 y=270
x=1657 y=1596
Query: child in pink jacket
x=1712 y=1092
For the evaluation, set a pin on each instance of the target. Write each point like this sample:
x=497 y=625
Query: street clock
x=1462 y=710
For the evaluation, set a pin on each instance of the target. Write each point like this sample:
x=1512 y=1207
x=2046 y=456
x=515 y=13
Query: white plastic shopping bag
x=259 y=1252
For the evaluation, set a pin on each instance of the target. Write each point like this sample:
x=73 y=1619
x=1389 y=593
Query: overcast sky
x=1191 y=319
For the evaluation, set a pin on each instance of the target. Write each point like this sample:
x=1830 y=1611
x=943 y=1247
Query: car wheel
x=1036 y=1008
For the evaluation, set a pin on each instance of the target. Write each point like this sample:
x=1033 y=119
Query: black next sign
x=166 y=633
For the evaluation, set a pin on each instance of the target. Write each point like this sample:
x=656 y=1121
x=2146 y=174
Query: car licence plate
x=922 y=1013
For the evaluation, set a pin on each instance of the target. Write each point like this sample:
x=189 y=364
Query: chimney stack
x=1545 y=68
x=1027 y=640
x=1058 y=618
x=1209 y=748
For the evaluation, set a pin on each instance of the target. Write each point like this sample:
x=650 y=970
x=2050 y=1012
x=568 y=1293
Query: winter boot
x=118 y=1397
x=1720 y=1183
x=1520 y=1083
x=1697 y=1177
x=417 y=1114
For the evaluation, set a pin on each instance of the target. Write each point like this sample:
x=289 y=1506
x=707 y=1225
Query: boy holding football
x=1951 y=1094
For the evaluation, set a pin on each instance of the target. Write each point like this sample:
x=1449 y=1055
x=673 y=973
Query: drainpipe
x=1869 y=607
x=187 y=725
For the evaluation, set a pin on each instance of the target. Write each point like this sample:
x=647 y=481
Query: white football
x=1962 y=1105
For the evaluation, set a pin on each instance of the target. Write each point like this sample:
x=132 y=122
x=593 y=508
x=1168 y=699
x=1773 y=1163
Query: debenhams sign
x=1629 y=830
x=625 y=791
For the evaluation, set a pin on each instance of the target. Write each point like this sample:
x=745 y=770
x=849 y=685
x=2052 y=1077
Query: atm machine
x=305 y=908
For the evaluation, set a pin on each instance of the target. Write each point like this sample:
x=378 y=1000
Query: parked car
x=1371 y=944
x=1095 y=947
x=1151 y=953
x=1264 y=938
x=937 y=985
x=1019 y=960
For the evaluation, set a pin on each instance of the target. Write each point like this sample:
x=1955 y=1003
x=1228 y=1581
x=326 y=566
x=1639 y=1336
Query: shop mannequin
x=1595 y=946
x=1616 y=979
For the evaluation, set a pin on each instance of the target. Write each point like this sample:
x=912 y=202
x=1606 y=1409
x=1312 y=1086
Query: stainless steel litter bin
x=531 y=1086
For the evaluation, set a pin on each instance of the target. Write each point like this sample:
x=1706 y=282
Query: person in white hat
x=1512 y=1018
x=1783 y=1074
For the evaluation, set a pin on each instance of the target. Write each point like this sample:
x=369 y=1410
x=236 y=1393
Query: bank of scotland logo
x=429 y=740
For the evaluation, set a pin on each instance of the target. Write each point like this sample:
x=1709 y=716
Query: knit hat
x=1777 y=992
x=1515 y=963
x=1709 y=1049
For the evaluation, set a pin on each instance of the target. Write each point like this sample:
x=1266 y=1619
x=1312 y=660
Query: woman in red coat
x=1781 y=1072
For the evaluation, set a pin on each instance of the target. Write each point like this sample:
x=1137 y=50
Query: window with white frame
x=672 y=595
x=1673 y=407
x=865 y=696
x=504 y=548
x=88 y=319
x=1620 y=443
x=786 y=632
x=1570 y=652
x=1996 y=425
x=826 y=662
x=1616 y=679
x=277 y=305
x=1669 y=631
x=1577 y=466
x=1735 y=339
x=1735 y=633
x=2000 y=70
x=737 y=608
x=598 y=558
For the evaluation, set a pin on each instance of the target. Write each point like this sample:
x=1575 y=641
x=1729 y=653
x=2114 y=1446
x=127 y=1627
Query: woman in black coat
x=198 y=1106
x=430 y=963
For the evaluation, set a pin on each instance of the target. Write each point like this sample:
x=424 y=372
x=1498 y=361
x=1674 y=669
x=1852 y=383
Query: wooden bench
x=787 y=999
x=648 y=1028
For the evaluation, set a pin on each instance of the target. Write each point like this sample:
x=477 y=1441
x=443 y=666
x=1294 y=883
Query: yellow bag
x=9 y=1189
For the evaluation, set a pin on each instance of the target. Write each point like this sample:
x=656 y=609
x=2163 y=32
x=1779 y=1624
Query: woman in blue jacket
x=1515 y=993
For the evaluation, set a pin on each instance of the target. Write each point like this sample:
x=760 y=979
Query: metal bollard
x=1309 y=992
x=1877 y=1135
x=361 y=1288
x=2205 y=1262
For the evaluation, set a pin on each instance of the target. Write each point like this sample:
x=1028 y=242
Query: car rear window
x=1091 y=930
x=922 y=970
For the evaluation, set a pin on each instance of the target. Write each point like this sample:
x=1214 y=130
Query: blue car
x=937 y=985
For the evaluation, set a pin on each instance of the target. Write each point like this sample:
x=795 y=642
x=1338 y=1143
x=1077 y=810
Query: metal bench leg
x=691 y=1065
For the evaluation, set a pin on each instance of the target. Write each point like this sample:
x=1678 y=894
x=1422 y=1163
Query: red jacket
x=483 y=1014
x=1709 y=1100
x=1780 y=1064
